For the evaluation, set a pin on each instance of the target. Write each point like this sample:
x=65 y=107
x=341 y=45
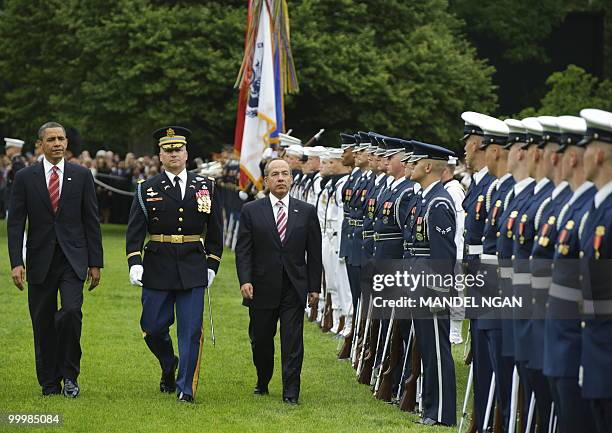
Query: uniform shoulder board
x=141 y=180
x=582 y=223
x=489 y=193
x=540 y=211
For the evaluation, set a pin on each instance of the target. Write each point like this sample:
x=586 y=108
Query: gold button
x=181 y=219
x=581 y=254
x=583 y=324
x=180 y=209
x=498 y=234
x=180 y=229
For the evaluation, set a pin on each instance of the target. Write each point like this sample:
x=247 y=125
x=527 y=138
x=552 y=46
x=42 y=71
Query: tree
x=570 y=91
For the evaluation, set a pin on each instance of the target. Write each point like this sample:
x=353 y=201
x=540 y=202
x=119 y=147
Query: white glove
x=243 y=195
x=211 y=277
x=136 y=275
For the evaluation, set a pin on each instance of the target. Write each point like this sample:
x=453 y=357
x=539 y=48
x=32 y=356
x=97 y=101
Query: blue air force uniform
x=176 y=263
x=433 y=240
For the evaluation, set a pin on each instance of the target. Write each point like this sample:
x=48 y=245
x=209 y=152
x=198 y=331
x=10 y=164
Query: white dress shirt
x=182 y=176
x=602 y=194
x=49 y=170
x=284 y=200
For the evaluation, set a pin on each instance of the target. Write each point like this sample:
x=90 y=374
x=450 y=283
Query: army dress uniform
x=175 y=262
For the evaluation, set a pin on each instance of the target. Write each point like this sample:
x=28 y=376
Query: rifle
x=498 y=419
x=407 y=352
x=361 y=348
x=328 y=320
x=468 y=388
x=347 y=347
x=314 y=138
x=383 y=360
x=375 y=363
x=368 y=362
x=385 y=390
x=408 y=401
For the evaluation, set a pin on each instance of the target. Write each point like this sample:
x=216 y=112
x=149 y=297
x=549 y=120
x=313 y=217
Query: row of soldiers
x=534 y=222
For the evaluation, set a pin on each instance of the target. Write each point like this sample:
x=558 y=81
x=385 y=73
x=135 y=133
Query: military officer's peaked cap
x=572 y=129
x=517 y=133
x=172 y=137
x=534 y=131
x=395 y=145
x=347 y=141
x=495 y=131
x=599 y=125
x=429 y=151
x=551 y=132
x=379 y=140
x=364 y=141
x=471 y=126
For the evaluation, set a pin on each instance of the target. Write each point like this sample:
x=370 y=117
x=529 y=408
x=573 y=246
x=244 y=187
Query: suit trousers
x=262 y=329
x=57 y=333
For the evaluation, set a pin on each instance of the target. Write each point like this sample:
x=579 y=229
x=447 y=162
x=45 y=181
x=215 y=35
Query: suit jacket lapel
x=269 y=215
x=41 y=185
x=292 y=215
x=66 y=185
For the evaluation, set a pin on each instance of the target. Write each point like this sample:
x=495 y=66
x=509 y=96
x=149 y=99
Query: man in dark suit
x=278 y=259
x=64 y=248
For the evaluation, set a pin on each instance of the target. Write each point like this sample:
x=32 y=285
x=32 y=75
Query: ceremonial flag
x=266 y=74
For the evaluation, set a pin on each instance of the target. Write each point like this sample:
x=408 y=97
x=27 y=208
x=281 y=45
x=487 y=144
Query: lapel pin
x=163 y=181
x=166 y=187
x=68 y=178
x=295 y=210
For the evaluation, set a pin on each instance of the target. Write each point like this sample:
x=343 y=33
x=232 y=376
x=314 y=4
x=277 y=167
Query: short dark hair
x=266 y=168
x=48 y=125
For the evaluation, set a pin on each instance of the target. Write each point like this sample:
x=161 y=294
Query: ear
x=600 y=157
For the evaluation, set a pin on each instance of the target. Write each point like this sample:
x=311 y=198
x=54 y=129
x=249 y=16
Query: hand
x=247 y=291
x=93 y=276
x=136 y=275
x=211 y=277
x=19 y=276
x=313 y=299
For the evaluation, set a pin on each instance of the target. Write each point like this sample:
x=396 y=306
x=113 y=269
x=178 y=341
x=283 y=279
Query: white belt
x=474 y=249
x=597 y=307
x=521 y=278
x=505 y=272
x=541 y=282
x=491 y=259
x=565 y=293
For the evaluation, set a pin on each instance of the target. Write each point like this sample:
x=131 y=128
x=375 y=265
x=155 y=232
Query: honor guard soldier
x=596 y=252
x=562 y=340
x=351 y=199
x=538 y=164
x=433 y=240
x=388 y=236
x=540 y=259
x=495 y=138
x=180 y=212
x=475 y=217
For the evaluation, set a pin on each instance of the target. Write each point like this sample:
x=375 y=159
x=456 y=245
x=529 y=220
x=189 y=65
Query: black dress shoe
x=71 y=388
x=261 y=390
x=46 y=392
x=168 y=380
x=184 y=398
x=293 y=401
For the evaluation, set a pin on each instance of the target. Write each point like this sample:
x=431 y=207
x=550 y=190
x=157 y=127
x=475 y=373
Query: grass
x=119 y=376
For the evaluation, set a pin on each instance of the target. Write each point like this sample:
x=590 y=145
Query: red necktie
x=54 y=189
x=281 y=221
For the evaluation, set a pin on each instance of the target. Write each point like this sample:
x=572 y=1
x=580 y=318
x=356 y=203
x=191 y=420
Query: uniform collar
x=396 y=182
x=559 y=188
x=355 y=170
x=48 y=166
x=541 y=184
x=520 y=186
x=430 y=187
x=182 y=176
x=603 y=194
x=284 y=200
x=379 y=177
x=502 y=180
x=480 y=174
x=579 y=191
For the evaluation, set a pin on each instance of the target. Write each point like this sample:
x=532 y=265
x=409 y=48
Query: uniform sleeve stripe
x=135 y=253
x=212 y=256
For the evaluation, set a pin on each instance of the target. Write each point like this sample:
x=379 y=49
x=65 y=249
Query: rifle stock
x=368 y=361
x=328 y=320
x=408 y=401
x=385 y=390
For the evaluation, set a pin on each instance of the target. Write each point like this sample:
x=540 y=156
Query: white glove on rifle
x=136 y=275
x=211 y=277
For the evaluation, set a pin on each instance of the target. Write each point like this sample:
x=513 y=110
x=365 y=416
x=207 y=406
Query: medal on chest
x=420 y=232
x=479 y=203
x=510 y=224
x=522 y=229
x=600 y=231
x=495 y=211
x=203 y=199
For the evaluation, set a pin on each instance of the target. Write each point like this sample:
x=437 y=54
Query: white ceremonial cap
x=13 y=142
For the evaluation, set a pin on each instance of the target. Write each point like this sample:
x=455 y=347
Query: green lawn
x=119 y=377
